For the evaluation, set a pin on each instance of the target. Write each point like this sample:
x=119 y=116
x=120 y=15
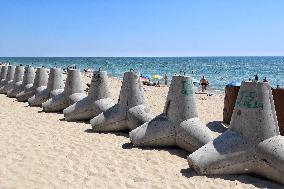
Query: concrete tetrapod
x=39 y=85
x=26 y=90
x=3 y=74
x=98 y=93
x=29 y=74
x=0 y=72
x=128 y=113
x=17 y=81
x=73 y=92
x=178 y=125
x=252 y=144
x=54 y=87
x=7 y=84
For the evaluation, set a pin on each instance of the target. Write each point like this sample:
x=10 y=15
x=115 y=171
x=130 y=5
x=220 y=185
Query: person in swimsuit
x=204 y=83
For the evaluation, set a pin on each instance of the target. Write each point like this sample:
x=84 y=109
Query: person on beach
x=204 y=83
x=265 y=79
x=88 y=72
x=166 y=79
x=157 y=84
x=256 y=77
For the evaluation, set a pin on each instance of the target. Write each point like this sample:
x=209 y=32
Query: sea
x=218 y=70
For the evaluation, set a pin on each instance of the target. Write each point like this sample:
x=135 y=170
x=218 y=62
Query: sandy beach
x=41 y=150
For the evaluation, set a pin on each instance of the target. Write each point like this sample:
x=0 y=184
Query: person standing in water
x=204 y=83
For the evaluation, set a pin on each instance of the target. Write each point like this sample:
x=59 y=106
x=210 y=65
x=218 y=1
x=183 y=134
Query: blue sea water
x=218 y=70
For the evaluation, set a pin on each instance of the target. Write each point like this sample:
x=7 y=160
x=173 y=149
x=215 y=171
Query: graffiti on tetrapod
x=187 y=88
x=248 y=99
x=97 y=78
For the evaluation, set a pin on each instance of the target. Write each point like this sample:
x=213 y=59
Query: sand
x=41 y=150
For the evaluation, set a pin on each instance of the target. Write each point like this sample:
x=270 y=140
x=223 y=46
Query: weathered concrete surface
x=99 y=90
x=8 y=82
x=17 y=81
x=35 y=80
x=27 y=88
x=252 y=144
x=3 y=74
x=178 y=125
x=73 y=92
x=128 y=113
x=54 y=87
x=40 y=84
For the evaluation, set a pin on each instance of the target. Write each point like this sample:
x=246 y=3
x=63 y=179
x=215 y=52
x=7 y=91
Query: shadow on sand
x=41 y=111
x=252 y=179
x=118 y=133
x=217 y=126
x=172 y=150
x=82 y=121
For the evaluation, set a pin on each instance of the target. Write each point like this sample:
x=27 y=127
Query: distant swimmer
x=204 y=83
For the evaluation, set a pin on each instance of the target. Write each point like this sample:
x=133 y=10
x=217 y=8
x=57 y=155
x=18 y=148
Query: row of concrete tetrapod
x=252 y=144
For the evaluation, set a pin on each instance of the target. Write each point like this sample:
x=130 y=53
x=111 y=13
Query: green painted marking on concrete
x=97 y=78
x=248 y=100
x=186 y=88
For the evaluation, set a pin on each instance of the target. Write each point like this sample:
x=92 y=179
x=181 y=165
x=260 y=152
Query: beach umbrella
x=157 y=76
x=146 y=76
x=234 y=83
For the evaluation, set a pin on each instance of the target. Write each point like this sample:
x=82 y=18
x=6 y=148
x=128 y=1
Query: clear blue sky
x=141 y=27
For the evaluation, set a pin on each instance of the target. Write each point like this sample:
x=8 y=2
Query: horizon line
x=141 y=56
